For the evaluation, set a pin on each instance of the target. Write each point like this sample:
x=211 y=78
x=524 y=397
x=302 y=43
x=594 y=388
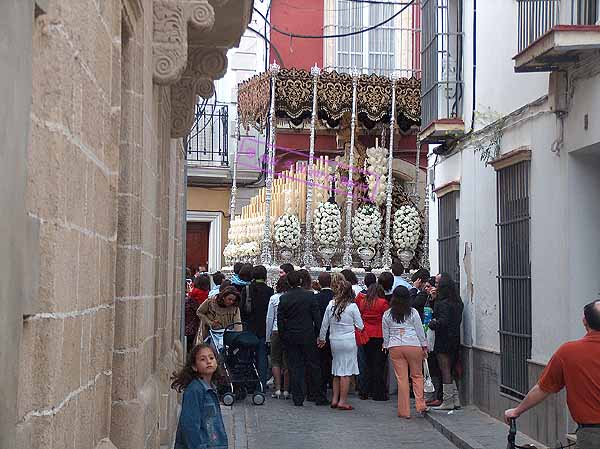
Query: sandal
x=333 y=405
x=345 y=407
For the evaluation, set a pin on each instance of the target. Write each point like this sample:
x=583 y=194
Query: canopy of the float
x=294 y=98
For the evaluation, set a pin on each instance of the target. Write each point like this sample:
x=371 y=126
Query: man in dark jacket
x=418 y=295
x=297 y=317
x=323 y=298
x=253 y=310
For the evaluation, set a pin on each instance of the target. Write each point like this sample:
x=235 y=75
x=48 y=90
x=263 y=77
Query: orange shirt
x=576 y=365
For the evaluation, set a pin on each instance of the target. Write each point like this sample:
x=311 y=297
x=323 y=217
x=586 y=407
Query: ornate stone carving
x=170 y=40
x=183 y=98
x=169 y=46
x=190 y=67
x=199 y=14
x=210 y=62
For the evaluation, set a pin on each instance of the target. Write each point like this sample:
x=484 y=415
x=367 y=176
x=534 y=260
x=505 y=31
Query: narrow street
x=280 y=425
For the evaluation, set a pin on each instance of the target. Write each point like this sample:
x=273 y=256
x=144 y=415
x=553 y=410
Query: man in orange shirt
x=576 y=366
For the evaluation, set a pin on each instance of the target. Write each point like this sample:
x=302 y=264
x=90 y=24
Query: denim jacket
x=200 y=423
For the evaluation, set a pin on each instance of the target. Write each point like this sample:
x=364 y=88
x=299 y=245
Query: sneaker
x=286 y=395
x=276 y=395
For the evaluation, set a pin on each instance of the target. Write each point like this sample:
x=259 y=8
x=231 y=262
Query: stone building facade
x=91 y=308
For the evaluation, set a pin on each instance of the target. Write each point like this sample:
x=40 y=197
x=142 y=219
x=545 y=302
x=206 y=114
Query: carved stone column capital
x=169 y=43
x=170 y=37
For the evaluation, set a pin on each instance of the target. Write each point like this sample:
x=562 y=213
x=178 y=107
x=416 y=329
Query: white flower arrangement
x=327 y=224
x=287 y=231
x=407 y=226
x=231 y=251
x=250 y=249
x=377 y=160
x=366 y=226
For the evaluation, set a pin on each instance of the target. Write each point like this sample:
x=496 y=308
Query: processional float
x=297 y=214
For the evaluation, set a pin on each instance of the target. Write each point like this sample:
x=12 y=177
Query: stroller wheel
x=228 y=399
x=258 y=399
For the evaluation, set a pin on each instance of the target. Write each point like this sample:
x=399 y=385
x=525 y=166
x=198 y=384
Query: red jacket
x=372 y=315
x=198 y=295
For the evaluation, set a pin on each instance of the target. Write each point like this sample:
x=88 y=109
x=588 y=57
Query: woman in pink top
x=372 y=306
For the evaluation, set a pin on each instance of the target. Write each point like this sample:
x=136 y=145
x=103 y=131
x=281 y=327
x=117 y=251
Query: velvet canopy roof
x=294 y=93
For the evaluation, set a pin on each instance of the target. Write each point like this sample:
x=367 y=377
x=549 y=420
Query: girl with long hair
x=341 y=319
x=404 y=338
x=372 y=307
x=446 y=321
x=200 y=422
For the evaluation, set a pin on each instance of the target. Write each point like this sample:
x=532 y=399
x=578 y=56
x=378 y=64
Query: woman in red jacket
x=372 y=307
x=196 y=296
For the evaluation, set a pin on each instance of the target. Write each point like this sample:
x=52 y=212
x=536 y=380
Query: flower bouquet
x=405 y=234
x=327 y=229
x=366 y=226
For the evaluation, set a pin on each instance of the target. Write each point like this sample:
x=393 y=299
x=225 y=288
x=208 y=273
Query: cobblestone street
x=280 y=425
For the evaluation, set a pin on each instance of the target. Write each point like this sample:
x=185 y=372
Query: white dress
x=342 y=338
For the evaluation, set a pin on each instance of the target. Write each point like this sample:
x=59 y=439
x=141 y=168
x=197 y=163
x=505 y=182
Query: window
x=448 y=235
x=441 y=86
x=387 y=48
x=514 y=277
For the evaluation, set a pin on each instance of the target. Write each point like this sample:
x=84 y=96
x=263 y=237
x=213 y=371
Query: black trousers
x=376 y=361
x=325 y=360
x=303 y=363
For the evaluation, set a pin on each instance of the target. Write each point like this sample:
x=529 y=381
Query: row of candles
x=288 y=196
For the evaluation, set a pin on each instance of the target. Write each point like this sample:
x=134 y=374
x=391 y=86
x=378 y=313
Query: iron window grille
x=536 y=17
x=208 y=140
x=441 y=57
x=514 y=277
x=392 y=47
x=448 y=235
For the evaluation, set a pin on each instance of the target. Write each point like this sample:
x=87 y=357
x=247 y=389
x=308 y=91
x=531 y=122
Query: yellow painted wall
x=211 y=199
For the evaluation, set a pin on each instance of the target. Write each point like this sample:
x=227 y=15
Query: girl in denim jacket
x=200 y=423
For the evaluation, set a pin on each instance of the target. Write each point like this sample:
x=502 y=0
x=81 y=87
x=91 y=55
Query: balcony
x=553 y=34
x=441 y=82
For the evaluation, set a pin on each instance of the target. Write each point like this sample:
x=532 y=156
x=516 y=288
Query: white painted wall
x=499 y=90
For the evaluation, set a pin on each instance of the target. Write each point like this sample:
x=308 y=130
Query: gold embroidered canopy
x=294 y=91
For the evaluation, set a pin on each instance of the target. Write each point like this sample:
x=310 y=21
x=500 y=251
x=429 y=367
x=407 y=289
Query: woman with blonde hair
x=341 y=319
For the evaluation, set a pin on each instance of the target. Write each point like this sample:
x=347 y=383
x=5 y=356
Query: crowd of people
x=334 y=332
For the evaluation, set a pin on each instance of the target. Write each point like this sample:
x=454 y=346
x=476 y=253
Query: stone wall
x=105 y=185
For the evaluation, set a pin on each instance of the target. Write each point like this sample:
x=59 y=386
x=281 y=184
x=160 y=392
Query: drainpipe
x=474 y=64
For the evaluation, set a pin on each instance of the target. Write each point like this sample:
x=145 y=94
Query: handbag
x=428 y=386
x=362 y=338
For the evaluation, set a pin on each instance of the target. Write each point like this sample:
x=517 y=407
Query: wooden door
x=196 y=252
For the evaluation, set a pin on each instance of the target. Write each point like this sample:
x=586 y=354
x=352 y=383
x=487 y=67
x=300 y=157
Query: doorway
x=197 y=241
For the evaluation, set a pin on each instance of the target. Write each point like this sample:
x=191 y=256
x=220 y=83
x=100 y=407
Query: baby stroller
x=237 y=350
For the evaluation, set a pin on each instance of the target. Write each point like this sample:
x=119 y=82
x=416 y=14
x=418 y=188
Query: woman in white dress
x=341 y=319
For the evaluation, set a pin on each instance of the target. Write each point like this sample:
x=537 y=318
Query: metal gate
x=514 y=277
x=448 y=235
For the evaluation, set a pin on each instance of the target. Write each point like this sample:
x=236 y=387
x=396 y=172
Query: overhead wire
x=333 y=36
x=270 y=43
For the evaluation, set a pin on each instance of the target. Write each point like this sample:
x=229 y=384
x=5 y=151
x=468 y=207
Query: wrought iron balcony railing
x=208 y=140
x=537 y=17
x=441 y=59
